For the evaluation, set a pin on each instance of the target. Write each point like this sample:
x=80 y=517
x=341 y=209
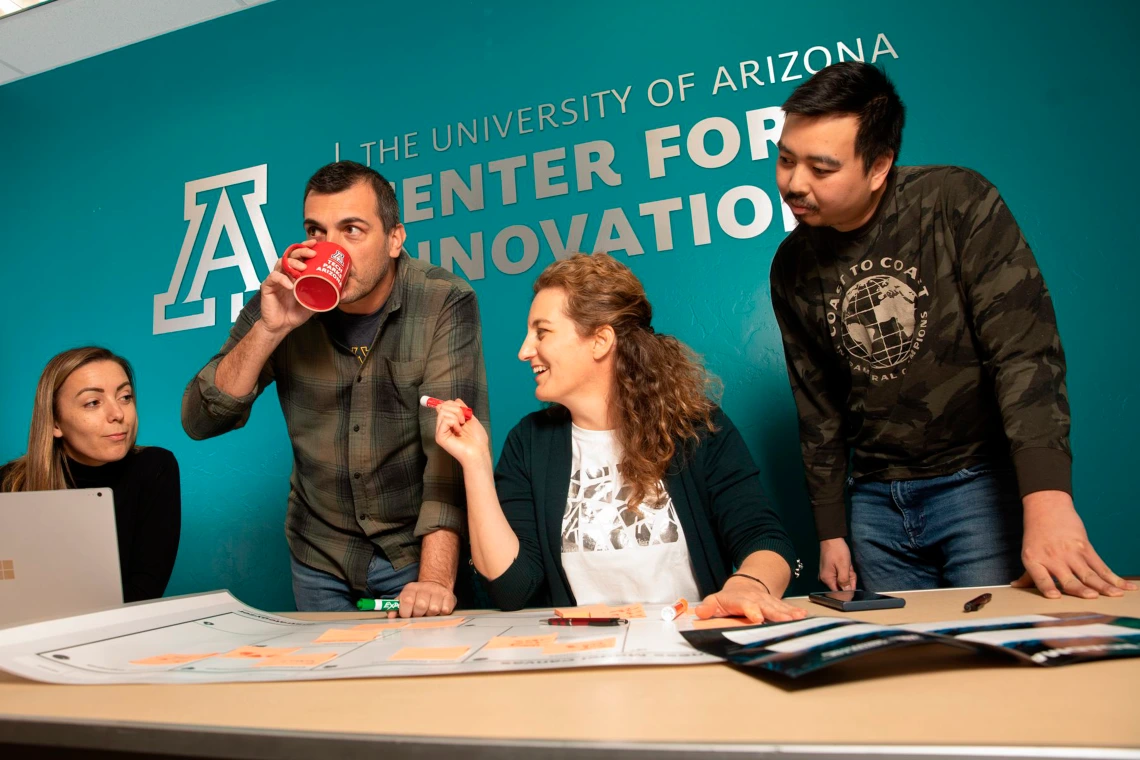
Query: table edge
x=212 y=741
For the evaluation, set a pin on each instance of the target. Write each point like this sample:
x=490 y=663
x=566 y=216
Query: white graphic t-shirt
x=610 y=554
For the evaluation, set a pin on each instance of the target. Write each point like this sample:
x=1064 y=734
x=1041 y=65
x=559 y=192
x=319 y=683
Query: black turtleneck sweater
x=148 y=515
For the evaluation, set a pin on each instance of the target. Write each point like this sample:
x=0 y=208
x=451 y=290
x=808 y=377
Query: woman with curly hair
x=633 y=486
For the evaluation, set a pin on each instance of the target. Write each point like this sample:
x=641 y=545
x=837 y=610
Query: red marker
x=431 y=403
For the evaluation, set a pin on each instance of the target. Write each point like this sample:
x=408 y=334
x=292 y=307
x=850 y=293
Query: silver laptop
x=59 y=554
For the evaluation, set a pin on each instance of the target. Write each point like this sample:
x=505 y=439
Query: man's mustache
x=798 y=200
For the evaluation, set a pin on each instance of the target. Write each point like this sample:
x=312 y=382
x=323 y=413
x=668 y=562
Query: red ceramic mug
x=319 y=285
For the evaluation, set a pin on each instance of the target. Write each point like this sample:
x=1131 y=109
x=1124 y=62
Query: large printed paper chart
x=213 y=638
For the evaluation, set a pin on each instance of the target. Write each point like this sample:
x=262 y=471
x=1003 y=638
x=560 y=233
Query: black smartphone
x=855 y=601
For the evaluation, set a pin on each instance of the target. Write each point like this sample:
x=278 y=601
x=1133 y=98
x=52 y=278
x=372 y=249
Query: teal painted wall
x=95 y=159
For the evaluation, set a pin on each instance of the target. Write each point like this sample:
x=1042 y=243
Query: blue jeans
x=318 y=591
x=957 y=530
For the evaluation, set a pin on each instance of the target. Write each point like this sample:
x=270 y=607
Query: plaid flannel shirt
x=367 y=472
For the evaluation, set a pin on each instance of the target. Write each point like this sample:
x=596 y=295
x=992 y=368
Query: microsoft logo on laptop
x=7 y=570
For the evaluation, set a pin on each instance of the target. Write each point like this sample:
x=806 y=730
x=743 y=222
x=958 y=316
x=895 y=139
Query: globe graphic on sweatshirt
x=878 y=321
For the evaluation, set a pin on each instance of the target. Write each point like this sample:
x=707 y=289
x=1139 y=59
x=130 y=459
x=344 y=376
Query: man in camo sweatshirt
x=923 y=351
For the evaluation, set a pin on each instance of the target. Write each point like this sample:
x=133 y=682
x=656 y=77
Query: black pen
x=977 y=603
x=584 y=621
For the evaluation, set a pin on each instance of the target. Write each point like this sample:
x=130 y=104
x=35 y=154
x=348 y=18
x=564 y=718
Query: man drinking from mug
x=376 y=508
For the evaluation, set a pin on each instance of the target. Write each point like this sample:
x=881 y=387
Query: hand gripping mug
x=319 y=285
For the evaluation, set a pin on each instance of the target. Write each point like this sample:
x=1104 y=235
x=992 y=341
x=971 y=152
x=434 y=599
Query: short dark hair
x=858 y=89
x=341 y=175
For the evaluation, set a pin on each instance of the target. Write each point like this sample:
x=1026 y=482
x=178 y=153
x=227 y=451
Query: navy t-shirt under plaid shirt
x=367 y=472
x=353 y=332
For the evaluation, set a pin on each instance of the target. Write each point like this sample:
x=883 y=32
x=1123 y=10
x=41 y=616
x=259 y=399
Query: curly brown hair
x=663 y=394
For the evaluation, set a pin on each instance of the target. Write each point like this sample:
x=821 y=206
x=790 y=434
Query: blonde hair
x=44 y=466
x=661 y=388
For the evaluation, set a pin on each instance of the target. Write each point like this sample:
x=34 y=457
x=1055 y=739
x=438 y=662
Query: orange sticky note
x=732 y=622
x=296 y=660
x=172 y=659
x=513 y=642
x=579 y=646
x=450 y=654
x=345 y=636
x=628 y=611
x=258 y=653
x=434 y=623
x=574 y=612
x=379 y=626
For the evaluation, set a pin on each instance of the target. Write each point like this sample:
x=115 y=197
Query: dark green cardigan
x=715 y=488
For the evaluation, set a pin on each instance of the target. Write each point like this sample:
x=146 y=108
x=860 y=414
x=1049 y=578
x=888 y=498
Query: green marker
x=381 y=605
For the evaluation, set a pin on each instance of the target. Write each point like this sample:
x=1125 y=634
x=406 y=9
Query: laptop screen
x=59 y=554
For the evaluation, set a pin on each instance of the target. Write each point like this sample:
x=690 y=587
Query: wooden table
x=919 y=702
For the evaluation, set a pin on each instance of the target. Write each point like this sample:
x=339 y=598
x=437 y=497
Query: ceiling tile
x=65 y=31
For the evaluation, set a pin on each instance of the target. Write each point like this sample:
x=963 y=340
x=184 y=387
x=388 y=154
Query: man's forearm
x=439 y=558
x=239 y=370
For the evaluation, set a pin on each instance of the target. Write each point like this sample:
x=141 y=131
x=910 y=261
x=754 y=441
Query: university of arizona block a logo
x=224 y=221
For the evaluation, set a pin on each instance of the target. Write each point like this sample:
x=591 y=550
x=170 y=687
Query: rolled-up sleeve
x=438 y=515
x=453 y=369
x=207 y=410
x=744 y=518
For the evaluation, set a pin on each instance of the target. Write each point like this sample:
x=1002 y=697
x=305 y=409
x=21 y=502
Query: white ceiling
x=15 y=6
x=65 y=31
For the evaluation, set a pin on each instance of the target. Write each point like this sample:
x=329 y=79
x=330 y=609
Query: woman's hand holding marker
x=427 y=402
x=459 y=433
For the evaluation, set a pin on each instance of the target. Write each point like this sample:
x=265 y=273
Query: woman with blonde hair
x=83 y=431
x=634 y=486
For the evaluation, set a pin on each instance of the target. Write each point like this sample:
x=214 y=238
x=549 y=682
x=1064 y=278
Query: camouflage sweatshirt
x=922 y=343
